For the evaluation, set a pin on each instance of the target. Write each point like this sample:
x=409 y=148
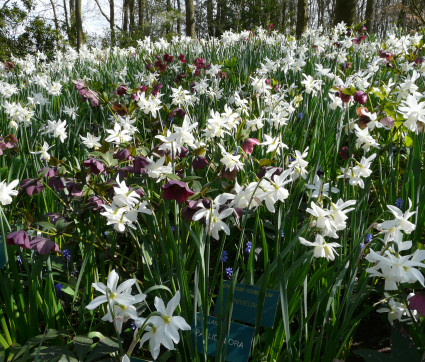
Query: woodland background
x=28 y=26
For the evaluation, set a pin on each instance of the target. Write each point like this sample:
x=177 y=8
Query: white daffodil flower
x=322 y=249
x=172 y=324
x=6 y=192
x=91 y=141
x=392 y=228
x=44 y=155
x=319 y=187
x=113 y=293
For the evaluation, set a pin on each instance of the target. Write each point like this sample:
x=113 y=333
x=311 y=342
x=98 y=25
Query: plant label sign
x=237 y=344
x=245 y=302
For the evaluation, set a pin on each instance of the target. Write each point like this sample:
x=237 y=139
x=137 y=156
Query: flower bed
x=189 y=166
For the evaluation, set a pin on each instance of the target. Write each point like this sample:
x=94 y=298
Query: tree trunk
x=112 y=21
x=179 y=22
x=322 y=13
x=55 y=18
x=210 y=19
x=79 y=24
x=302 y=17
x=401 y=21
x=190 y=18
x=273 y=14
x=283 y=17
x=220 y=18
x=370 y=6
x=125 y=19
x=167 y=24
x=217 y=18
x=72 y=11
x=141 y=15
x=292 y=21
x=131 y=5
x=72 y=25
x=345 y=10
x=66 y=18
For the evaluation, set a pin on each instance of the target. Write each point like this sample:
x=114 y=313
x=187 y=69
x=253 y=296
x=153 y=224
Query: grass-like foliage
x=136 y=181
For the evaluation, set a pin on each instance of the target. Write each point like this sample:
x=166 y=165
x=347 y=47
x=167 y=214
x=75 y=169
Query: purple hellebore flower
x=43 y=245
x=193 y=206
x=157 y=88
x=182 y=58
x=162 y=67
x=32 y=186
x=360 y=97
x=78 y=84
x=96 y=202
x=263 y=171
x=56 y=182
x=168 y=58
x=180 y=112
x=180 y=77
x=248 y=145
x=139 y=192
x=122 y=155
x=10 y=141
x=92 y=97
x=74 y=188
x=19 y=238
x=176 y=190
x=122 y=90
x=417 y=302
x=199 y=63
x=387 y=122
x=96 y=166
x=140 y=164
x=229 y=175
x=344 y=97
x=199 y=163
x=48 y=171
x=124 y=171
x=183 y=152
x=344 y=153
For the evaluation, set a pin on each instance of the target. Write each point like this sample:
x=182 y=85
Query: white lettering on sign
x=213 y=337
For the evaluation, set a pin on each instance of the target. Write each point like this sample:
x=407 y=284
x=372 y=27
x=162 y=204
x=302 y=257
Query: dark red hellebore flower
x=176 y=190
x=360 y=97
x=199 y=163
x=344 y=97
x=121 y=90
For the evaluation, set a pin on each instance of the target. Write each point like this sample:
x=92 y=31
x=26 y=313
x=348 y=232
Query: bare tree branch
x=4 y=5
x=104 y=15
